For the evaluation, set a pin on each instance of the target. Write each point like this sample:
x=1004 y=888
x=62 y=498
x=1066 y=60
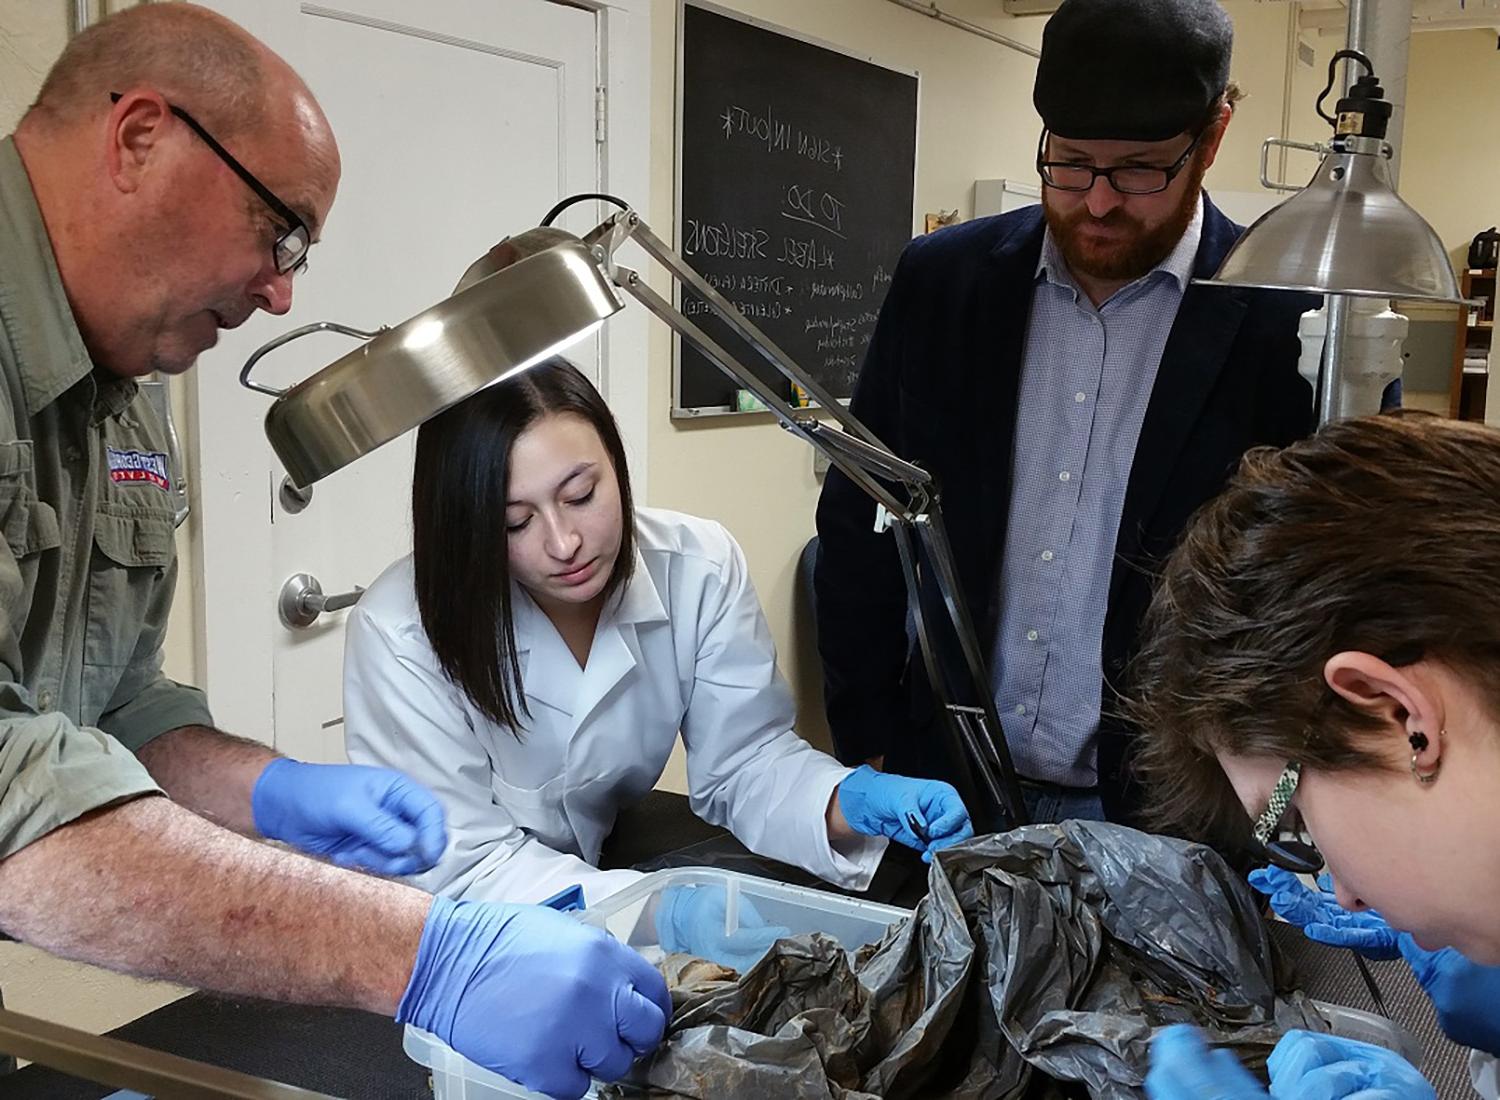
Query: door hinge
x=601 y=114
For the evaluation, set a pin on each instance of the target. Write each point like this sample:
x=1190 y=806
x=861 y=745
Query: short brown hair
x=1379 y=535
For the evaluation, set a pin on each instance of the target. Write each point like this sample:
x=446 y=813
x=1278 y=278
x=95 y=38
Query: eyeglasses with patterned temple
x=1287 y=852
x=293 y=239
x=1127 y=179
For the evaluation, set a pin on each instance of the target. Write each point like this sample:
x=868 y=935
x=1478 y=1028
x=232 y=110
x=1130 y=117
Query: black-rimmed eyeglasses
x=1127 y=179
x=293 y=239
x=1289 y=853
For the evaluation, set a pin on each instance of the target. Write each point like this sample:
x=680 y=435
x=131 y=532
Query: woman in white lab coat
x=534 y=659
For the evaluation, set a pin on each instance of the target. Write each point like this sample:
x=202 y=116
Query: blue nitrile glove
x=534 y=995
x=1465 y=994
x=1322 y=918
x=1308 y=1066
x=355 y=816
x=691 y=919
x=1184 y=1068
x=877 y=804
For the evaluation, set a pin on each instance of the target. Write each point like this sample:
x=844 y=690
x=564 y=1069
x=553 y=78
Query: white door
x=459 y=122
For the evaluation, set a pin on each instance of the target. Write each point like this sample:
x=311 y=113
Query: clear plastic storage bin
x=628 y=916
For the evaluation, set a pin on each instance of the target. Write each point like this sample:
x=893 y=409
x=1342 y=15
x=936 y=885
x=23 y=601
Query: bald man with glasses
x=169 y=182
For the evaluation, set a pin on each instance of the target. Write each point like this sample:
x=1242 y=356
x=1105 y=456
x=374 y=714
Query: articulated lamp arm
x=908 y=499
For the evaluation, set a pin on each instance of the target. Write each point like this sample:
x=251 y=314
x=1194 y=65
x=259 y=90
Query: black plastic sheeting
x=1039 y=965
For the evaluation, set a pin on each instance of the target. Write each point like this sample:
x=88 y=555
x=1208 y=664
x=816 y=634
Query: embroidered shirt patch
x=138 y=466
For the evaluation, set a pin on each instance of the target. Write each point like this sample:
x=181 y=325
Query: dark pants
x=1048 y=803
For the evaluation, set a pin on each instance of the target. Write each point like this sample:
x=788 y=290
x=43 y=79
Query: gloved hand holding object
x=877 y=804
x=534 y=995
x=372 y=819
x=1465 y=994
x=1183 y=1068
x=1304 y=1066
x=1308 y=1066
x=691 y=919
x=1322 y=918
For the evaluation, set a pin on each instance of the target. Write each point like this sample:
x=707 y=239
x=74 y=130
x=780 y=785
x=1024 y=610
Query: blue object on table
x=568 y=900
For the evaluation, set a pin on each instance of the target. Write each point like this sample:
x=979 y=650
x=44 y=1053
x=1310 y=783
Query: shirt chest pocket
x=538 y=810
x=29 y=526
x=130 y=579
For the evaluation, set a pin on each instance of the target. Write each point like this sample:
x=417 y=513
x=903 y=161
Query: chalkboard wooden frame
x=681 y=410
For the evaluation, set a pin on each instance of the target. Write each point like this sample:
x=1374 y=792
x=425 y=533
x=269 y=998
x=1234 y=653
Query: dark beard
x=1140 y=252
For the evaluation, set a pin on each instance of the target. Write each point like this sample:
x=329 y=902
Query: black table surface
x=358 y=1056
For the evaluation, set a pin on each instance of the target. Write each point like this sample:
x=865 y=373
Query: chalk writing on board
x=805 y=253
x=795 y=199
x=765 y=311
x=733 y=242
x=780 y=136
x=815 y=207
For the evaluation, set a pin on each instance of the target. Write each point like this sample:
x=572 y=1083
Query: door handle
x=302 y=601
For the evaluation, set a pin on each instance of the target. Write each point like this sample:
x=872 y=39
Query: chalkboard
x=797 y=164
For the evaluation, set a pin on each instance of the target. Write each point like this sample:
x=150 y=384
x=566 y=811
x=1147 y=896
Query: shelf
x=1482 y=272
x=1483 y=324
x=1476 y=370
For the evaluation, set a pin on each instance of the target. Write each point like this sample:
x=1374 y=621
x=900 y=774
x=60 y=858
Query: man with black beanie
x=1076 y=396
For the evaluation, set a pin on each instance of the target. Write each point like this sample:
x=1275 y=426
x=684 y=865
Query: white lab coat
x=683 y=647
x=1484 y=1074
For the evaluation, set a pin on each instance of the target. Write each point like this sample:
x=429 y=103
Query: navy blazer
x=939 y=386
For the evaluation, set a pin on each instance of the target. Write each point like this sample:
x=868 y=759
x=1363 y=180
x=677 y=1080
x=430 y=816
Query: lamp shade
x=486 y=331
x=1347 y=232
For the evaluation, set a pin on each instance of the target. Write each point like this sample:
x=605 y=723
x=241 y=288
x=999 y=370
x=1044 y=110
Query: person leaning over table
x=167 y=184
x=1324 y=649
x=539 y=653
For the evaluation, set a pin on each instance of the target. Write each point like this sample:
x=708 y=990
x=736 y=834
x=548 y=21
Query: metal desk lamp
x=1347 y=234
x=503 y=318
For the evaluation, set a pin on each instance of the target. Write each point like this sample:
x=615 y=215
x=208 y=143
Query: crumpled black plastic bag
x=1039 y=965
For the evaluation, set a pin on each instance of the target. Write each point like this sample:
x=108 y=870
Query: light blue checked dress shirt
x=1086 y=379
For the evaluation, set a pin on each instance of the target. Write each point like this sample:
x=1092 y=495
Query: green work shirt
x=87 y=560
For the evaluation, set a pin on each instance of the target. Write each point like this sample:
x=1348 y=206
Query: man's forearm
x=150 y=889
x=210 y=772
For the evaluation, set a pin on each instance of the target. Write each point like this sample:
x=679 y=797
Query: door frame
x=232 y=482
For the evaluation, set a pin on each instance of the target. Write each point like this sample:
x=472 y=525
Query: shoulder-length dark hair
x=459 y=489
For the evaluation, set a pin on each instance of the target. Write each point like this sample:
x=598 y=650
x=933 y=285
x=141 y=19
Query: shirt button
x=1065 y=476
x=72 y=454
x=1020 y=708
x=1032 y=635
x=45 y=700
x=1080 y=397
x=1046 y=555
